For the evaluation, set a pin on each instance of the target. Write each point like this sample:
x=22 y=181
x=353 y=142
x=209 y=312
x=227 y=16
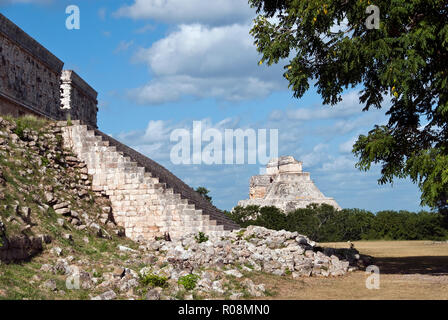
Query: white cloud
x=201 y=51
x=218 y=62
x=145 y=28
x=339 y=163
x=347 y=107
x=347 y=146
x=169 y=89
x=211 y=12
x=156 y=131
x=123 y=46
x=317 y=156
x=102 y=13
x=154 y=140
x=365 y=120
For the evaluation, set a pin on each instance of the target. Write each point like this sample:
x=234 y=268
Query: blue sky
x=160 y=65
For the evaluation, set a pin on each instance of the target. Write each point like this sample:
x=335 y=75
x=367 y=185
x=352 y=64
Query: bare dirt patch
x=409 y=270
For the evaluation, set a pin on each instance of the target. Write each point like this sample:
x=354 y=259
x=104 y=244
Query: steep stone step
x=143 y=203
x=172 y=181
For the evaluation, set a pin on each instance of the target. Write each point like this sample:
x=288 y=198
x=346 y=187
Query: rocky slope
x=58 y=239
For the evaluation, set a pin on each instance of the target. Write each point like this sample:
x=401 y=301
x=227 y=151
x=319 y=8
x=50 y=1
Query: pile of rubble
x=217 y=266
x=258 y=249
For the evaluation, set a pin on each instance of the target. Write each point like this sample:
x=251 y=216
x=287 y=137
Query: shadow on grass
x=431 y=265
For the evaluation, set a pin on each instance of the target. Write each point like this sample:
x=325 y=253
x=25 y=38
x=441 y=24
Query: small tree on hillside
x=204 y=193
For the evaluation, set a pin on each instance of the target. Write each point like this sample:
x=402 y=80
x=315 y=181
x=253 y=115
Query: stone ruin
x=285 y=186
x=32 y=81
x=147 y=200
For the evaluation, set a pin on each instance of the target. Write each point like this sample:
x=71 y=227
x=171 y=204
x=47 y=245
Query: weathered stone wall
x=32 y=81
x=29 y=74
x=78 y=99
x=258 y=186
x=283 y=165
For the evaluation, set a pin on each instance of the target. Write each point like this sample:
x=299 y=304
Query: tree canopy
x=204 y=192
x=324 y=223
x=405 y=60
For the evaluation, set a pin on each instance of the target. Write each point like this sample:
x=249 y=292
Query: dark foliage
x=326 y=224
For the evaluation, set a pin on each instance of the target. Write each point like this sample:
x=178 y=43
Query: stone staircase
x=147 y=200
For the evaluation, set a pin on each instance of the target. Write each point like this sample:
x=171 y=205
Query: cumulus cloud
x=200 y=61
x=210 y=12
x=317 y=156
x=154 y=140
x=170 y=89
x=345 y=118
x=347 y=146
x=201 y=51
x=365 y=120
x=340 y=163
x=347 y=107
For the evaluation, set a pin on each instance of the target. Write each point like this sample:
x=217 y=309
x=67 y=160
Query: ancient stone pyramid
x=285 y=186
x=147 y=199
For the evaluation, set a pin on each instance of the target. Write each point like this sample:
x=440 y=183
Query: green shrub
x=201 y=237
x=154 y=280
x=204 y=193
x=45 y=161
x=324 y=223
x=189 y=281
x=28 y=122
x=243 y=215
x=240 y=233
x=69 y=119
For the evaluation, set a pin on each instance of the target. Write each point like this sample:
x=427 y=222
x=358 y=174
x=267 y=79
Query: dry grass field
x=408 y=270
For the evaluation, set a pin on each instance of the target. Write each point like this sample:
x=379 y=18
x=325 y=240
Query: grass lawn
x=408 y=270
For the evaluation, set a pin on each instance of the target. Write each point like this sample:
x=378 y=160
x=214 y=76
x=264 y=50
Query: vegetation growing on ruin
x=189 y=281
x=201 y=237
x=204 y=193
x=153 y=280
x=28 y=122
